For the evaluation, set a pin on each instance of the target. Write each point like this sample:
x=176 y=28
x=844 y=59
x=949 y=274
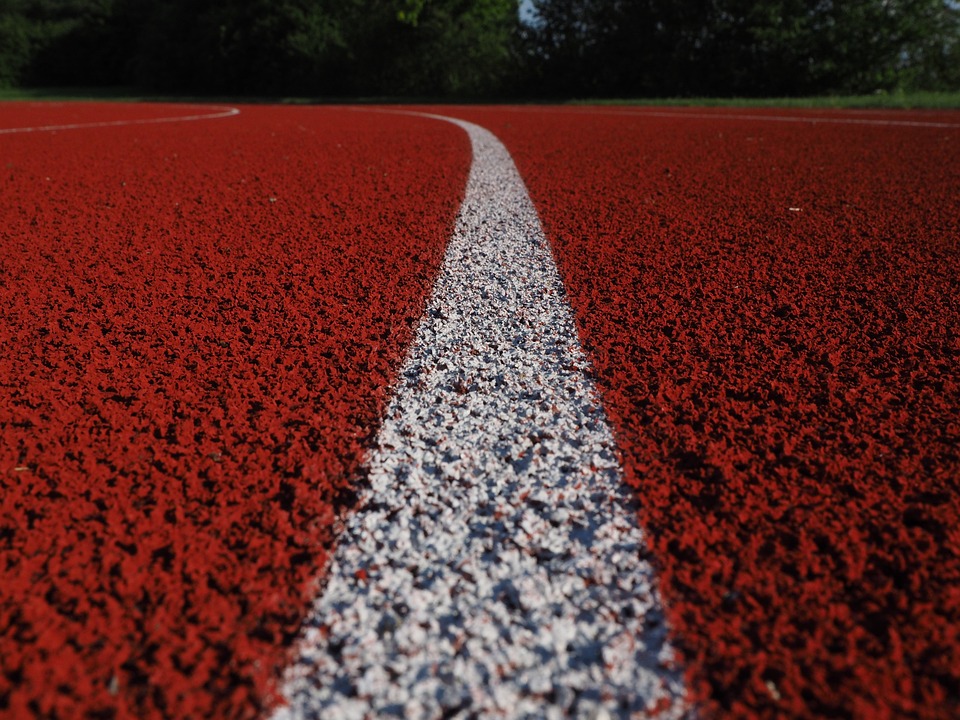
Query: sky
x=526 y=9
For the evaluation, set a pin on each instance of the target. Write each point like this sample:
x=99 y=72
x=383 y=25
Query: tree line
x=483 y=48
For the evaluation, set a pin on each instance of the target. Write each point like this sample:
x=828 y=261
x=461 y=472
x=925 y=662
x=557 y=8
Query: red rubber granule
x=771 y=311
x=201 y=324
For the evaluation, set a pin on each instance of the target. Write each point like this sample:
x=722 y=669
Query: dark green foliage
x=239 y=46
x=430 y=48
x=14 y=43
x=480 y=48
x=262 y=47
x=743 y=47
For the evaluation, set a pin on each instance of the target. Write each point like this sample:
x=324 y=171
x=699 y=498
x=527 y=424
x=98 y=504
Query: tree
x=238 y=46
x=322 y=47
x=432 y=47
x=743 y=47
x=479 y=48
x=14 y=42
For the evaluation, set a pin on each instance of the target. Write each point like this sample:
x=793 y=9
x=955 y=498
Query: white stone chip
x=504 y=572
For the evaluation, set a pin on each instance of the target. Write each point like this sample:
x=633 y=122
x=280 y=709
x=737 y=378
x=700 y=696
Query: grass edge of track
x=878 y=101
x=919 y=100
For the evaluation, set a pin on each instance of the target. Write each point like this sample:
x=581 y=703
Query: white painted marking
x=221 y=113
x=799 y=119
x=813 y=120
x=495 y=567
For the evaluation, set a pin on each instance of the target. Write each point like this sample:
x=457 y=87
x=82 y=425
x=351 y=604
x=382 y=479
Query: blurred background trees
x=483 y=48
x=743 y=47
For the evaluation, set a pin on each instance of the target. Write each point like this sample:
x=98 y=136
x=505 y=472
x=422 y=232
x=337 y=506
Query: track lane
x=810 y=116
x=809 y=274
x=494 y=568
x=770 y=310
x=85 y=115
x=201 y=325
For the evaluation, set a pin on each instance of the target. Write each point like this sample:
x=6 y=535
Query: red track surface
x=39 y=114
x=200 y=322
x=200 y=325
x=772 y=312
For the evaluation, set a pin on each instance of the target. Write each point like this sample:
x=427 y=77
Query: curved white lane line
x=638 y=112
x=495 y=567
x=223 y=113
x=883 y=122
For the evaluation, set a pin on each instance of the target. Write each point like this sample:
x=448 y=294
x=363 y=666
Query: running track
x=202 y=321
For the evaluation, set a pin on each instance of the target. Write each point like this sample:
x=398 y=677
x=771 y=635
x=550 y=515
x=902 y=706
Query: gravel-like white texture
x=495 y=567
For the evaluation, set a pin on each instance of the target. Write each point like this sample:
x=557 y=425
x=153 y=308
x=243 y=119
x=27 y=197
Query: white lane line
x=495 y=567
x=740 y=116
x=799 y=119
x=222 y=112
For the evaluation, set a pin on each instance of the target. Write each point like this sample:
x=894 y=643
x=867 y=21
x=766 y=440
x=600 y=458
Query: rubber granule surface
x=771 y=312
x=201 y=324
